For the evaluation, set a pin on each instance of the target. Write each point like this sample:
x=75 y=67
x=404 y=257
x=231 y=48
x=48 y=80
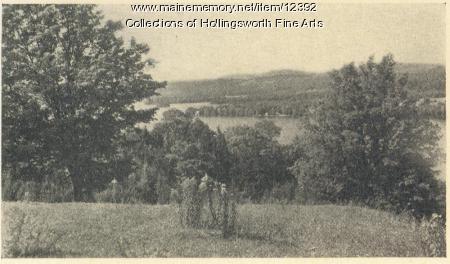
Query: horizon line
x=256 y=74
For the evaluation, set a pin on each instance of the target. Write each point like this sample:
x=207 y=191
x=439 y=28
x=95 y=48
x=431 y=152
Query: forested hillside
x=425 y=80
x=279 y=84
x=291 y=92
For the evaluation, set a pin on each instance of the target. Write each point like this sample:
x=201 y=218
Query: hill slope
x=266 y=230
x=424 y=80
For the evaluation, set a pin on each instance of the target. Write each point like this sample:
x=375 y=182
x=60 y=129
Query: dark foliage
x=68 y=86
x=367 y=143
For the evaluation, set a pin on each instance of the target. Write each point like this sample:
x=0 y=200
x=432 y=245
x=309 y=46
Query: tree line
x=291 y=93
x=296 y=107
x=69 y=128
x=181 y=147
x=427 y=109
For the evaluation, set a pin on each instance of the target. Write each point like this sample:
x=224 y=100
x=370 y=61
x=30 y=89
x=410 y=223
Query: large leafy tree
x=189 y=143
x=366 y=142
x=257 y=158
x=69 y=84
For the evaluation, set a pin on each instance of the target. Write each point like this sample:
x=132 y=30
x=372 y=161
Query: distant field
x=110 y=230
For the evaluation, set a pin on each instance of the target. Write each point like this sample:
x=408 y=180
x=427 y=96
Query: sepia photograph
x=223 y=129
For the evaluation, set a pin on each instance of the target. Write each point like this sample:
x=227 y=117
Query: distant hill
x=279 y=84
x=424 y=80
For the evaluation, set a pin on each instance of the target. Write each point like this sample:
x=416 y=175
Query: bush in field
x=281 y=193
x=113 y=194
x=175 y=197
x=163 y=190
x=127 y=191
x=228 y=211
x=207 y=200
x=56 y=187
x=191 y=203
x=28 y=237
x=53 y=187
x=367 y=143
x=433 y=236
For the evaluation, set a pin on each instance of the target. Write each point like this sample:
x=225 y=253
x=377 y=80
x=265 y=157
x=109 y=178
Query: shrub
x=29 y=237
x=220 y=211
x=228 y=212
x=114 y=193
x=133 y=190
x=163 y=191
x=433 y=236
x=190 y=206
x=280 y=193
x=175 y=197
x=28 y=191
x=54 y=187
x=10 y=185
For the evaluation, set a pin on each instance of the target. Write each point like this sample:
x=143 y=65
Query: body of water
x=290 y=127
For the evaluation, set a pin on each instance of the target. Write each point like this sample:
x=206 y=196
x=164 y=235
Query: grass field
x=116 y=230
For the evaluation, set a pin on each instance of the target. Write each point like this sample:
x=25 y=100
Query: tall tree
x=67 y=72
x=223 y=159
x=258 y=163
x=366 y=142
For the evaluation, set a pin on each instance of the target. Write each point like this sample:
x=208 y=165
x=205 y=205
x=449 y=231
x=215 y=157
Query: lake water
x=289 y=126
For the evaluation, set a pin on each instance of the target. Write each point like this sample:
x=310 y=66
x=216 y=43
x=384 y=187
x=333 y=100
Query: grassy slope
x=109 y=230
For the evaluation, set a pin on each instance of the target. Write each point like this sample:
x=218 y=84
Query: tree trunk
x=77 y=184
x=77 y=191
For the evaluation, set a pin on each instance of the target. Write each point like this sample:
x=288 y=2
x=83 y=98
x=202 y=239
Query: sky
x=413 y=33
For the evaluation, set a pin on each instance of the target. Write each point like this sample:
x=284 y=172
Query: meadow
x=266 y=230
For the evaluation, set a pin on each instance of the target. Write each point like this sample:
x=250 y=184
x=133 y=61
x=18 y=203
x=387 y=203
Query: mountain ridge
x=426 y=80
